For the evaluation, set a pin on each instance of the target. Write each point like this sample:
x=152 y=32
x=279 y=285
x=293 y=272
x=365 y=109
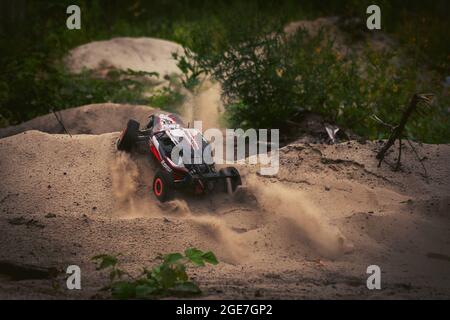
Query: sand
x=138 y=54
x=309 y=232
x=90 y=119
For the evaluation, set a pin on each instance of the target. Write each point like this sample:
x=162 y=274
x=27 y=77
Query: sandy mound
x=90 y=119
x=138 y=54
x=310 y=231
x=100 y=118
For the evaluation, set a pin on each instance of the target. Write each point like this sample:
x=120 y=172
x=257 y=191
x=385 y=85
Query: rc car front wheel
x=163 y=185
x=232 y=180
x=128 y=136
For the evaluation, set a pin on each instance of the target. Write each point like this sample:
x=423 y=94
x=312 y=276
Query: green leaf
x=180 y=271
x=147 y=290
x=168 y=276
x=123 y=290
x=105 y=261
x=195 y=256
x=155 y=273
x=199 y=257
x=172 y=258
x=98 y=257
x=115 y=273
x=210 y=257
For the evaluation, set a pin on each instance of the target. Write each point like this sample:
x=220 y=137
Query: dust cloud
x=302 y=215
x=126 y=175
x=290 y=207
x=204 y=105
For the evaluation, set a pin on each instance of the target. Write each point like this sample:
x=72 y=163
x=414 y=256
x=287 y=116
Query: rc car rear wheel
x=128 y=136
x=233 y=179
x=163 y=185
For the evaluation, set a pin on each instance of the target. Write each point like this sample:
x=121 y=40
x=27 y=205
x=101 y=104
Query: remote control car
x=159 y=137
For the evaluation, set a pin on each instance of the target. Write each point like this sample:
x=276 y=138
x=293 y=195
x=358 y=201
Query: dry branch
x=397 y=131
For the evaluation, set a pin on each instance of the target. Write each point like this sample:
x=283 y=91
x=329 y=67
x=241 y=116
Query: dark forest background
x=34 y=39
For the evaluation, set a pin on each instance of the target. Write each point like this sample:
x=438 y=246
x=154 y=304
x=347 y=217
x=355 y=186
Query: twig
x=375 y=117
x=397 y=167
x=418 y=158
x=397 y=131
x=59 y=119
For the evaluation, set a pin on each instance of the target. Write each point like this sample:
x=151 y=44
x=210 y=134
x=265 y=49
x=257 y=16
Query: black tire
x=234 y=178
x=163 y=187
x=128 y=137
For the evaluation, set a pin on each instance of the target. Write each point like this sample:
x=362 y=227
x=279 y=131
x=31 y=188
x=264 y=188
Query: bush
x=166 y=99
x=39 y=88
x=164 y=280
x=270 y=77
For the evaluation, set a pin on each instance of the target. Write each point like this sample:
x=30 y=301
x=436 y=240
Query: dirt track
x=309 y=232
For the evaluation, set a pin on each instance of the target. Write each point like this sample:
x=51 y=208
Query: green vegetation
x=291 y=77
x=168 y=279
x=271 y=77
x=37 y=89
x=190 y=69
x=166 y=99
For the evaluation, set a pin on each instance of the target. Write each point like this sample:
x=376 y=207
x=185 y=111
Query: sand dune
x=91 y=119
x=138 y=54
